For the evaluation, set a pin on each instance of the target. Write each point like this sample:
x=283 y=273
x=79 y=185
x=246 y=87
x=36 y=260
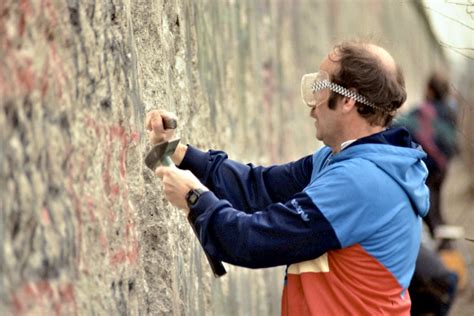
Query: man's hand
x=154 y=125
x=177 y=183
x=157 y=133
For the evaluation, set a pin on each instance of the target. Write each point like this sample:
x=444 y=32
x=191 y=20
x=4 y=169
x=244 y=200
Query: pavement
x=458 y=208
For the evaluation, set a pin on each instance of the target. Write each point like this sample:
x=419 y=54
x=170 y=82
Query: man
x=345 y=220
x=433 y=125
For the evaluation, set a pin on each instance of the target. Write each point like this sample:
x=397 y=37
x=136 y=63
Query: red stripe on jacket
x=356 y=284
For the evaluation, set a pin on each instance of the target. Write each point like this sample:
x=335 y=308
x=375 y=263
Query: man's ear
x=348 y=105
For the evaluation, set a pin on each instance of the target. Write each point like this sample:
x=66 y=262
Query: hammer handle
x=216 y=266
x=169 y=123
x=151 y=161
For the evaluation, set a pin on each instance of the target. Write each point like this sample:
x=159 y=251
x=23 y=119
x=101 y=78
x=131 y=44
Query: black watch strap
x=193 y=196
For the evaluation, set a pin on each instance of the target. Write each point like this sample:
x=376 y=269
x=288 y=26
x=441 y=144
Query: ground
x=458 y=206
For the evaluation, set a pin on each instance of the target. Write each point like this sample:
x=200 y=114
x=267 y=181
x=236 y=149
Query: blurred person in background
x=433 y=125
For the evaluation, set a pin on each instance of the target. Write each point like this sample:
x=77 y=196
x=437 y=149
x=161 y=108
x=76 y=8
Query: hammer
x=160 y=154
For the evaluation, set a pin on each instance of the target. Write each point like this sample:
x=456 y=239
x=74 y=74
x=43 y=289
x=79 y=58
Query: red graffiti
x=43 y=297
x=130 y=251
x=25 y=75
x=25 y=11
x=126 y=255
x=117 y=141
x=53 y=20
x=18 y=74
x=59 y=75
x=92 y=207
x=45 y=218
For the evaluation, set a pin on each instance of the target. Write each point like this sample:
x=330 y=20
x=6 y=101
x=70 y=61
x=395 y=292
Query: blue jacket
x=372 y=194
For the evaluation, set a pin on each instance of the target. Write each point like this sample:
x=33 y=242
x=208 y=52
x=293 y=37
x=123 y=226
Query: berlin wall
x=84 y=227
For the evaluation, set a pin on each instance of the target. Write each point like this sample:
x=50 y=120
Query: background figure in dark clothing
x=433 y=287
x=433 y=126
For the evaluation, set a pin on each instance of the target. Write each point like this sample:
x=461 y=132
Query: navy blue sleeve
x=246 y=186
x=280 y=234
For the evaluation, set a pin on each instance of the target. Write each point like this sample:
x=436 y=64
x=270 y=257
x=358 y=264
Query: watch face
x=193 y=197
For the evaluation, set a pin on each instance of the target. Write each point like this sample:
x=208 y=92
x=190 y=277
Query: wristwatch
x=193 y=196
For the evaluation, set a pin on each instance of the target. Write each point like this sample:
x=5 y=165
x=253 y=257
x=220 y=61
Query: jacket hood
x=394 y=152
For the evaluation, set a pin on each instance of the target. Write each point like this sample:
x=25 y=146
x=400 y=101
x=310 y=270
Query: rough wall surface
x=84 y=228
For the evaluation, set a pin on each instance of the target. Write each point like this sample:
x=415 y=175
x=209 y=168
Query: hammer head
x=160 y=154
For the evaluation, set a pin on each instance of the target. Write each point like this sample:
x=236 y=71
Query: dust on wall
x=84 y=228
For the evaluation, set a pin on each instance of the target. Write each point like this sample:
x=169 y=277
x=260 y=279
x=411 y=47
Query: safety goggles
x=315 y=89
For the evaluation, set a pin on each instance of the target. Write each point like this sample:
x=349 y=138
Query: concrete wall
x=84 y=228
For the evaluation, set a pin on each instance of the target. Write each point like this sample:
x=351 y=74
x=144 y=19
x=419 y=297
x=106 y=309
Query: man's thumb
x=160 y=171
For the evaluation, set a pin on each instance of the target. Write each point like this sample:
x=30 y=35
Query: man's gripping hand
x=154 y=125
x=177 y=183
